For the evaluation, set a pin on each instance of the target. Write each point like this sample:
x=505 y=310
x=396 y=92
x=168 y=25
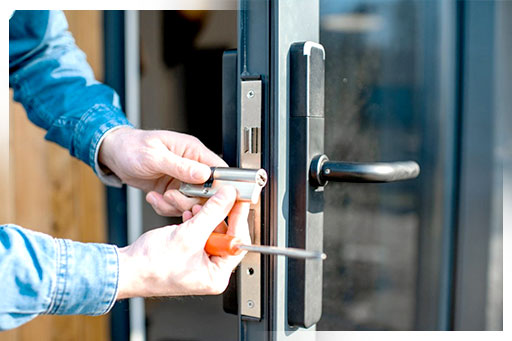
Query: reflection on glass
x=375 y=111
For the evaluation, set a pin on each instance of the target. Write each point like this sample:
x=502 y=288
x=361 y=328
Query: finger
x=187 y=215
x=238 y=222
x=228 y=263
x=221 y=228
x=162 y=184
x=208 y=157
x=213 y=212
x=183 y=169
x=237 y=219
x=160 y=206
x=222 y=267
x=196 y=209
x=239 y=227
x=196 y=150
x=183 y=203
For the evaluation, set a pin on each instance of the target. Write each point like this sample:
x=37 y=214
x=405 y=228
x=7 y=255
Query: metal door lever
x=322 y=170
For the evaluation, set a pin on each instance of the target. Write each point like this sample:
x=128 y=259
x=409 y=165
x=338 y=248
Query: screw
x=250 y=304
x=261 y=179
x=250 y=94
x=205 y=191
x=327 y=171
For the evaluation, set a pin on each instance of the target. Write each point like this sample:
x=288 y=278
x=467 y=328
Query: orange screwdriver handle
x=220 y=244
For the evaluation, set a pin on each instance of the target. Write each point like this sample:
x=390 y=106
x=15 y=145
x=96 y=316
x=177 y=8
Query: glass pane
x=384 y=103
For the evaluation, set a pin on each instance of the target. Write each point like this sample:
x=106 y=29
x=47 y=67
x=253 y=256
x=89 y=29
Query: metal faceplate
x=250 y=157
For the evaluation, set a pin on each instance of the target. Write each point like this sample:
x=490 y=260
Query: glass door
x=346 y=84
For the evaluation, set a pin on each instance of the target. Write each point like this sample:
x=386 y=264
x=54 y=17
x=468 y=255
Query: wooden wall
x=51 y=192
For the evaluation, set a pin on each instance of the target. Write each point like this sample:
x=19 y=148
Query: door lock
x=247 y=182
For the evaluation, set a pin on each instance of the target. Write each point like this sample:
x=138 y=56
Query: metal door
x=392 y=92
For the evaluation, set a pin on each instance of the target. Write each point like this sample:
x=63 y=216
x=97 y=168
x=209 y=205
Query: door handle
x=309 y=170
x=322 y=170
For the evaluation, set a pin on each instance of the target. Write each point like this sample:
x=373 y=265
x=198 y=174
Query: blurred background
x=51 y=192
x=423 y=80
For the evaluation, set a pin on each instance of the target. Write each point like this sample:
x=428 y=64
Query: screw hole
x=250 y=271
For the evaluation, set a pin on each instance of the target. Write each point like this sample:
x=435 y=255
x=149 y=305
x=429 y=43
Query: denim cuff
x=86 y=280
x=89 y=131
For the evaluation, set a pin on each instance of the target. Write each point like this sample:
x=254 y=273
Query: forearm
x=55 y=84
x=45 y=275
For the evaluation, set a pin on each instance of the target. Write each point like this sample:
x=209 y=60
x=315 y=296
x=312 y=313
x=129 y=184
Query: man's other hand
x=171 y=261
x=156 y=162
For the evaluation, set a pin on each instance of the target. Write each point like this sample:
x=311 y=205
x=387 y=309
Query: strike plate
x=250 y=157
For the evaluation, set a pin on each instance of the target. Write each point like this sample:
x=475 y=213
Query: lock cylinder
x=247 y=182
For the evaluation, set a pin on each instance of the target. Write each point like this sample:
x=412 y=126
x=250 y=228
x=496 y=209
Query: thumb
x=214 y=211
x=183 y=169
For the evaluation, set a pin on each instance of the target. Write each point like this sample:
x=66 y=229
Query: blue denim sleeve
x=44 y=275
x=52 y=79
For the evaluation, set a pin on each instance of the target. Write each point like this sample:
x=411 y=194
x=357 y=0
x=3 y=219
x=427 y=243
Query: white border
x=124 y=5
x=231 y=4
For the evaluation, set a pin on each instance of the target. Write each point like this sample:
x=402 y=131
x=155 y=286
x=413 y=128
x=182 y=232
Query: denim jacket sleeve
x=52 y=79
x=44 y=275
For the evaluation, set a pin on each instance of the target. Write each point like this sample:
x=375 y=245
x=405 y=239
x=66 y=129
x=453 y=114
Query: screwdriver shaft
x=221 y=244
x=288 y=251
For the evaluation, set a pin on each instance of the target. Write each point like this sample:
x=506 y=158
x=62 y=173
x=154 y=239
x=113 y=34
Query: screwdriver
x=220 y=244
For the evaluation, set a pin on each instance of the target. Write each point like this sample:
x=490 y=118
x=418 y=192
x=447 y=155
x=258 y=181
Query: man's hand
x=171 y=261
x=157 y=162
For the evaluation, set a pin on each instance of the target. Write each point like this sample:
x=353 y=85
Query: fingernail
x=153 y=200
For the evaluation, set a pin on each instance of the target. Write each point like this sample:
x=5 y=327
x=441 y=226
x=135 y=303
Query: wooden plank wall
x=53 y=193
